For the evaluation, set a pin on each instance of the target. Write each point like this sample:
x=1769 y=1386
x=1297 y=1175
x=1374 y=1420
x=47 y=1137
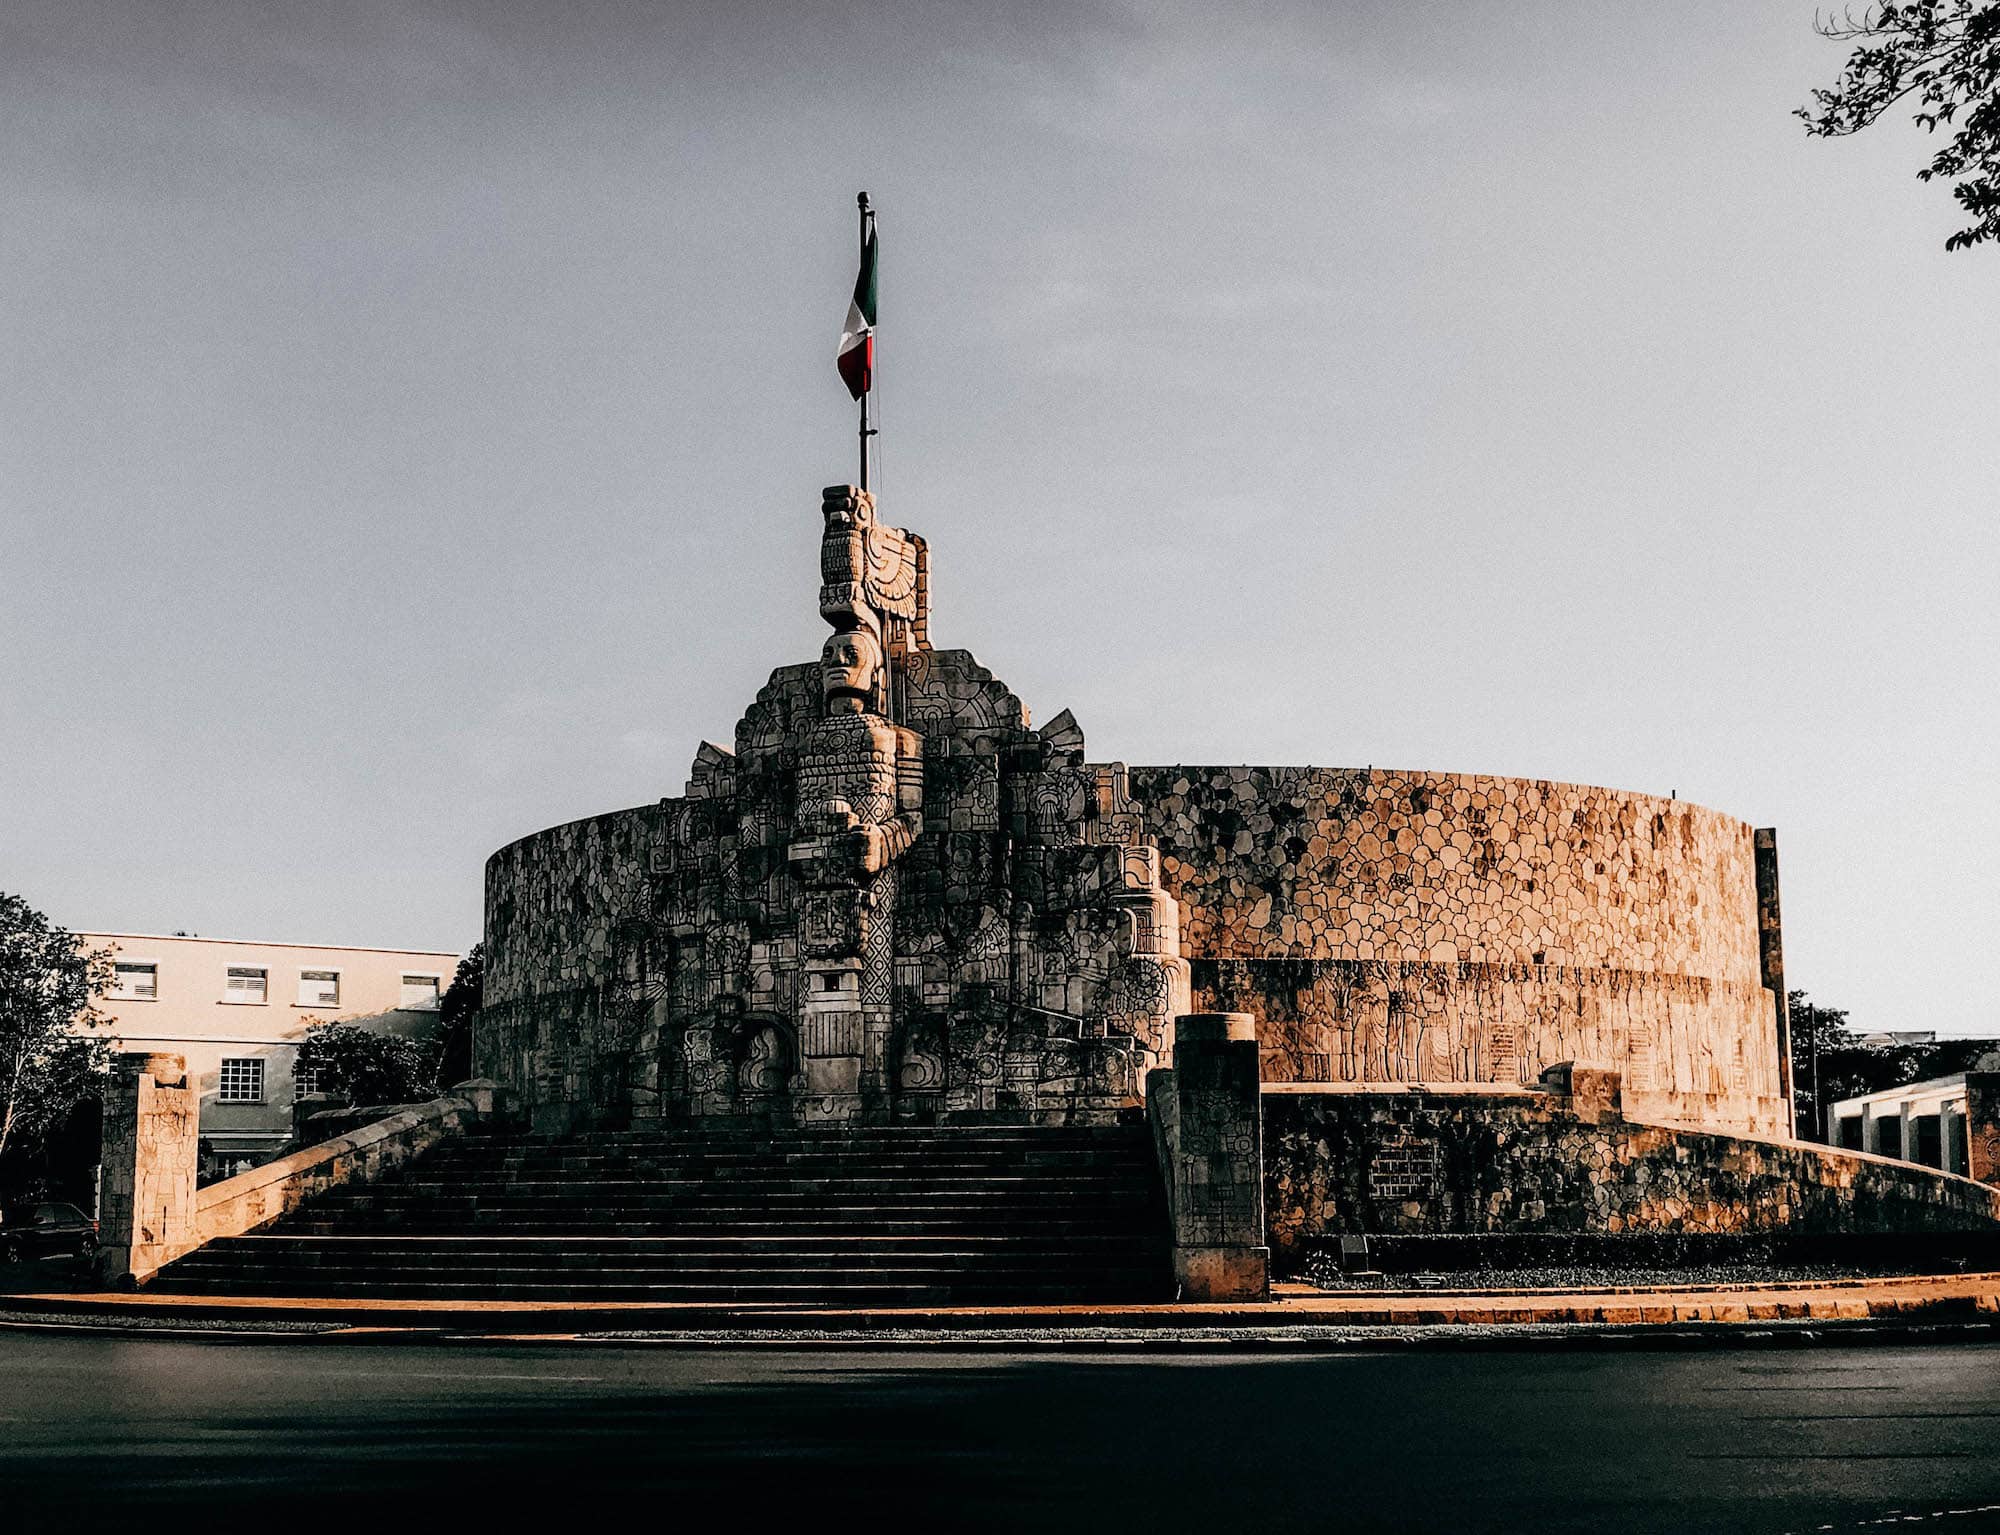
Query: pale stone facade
x=894 y=897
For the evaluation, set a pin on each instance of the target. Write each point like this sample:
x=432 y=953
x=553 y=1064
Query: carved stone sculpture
x=860 y=806
x=892 y=899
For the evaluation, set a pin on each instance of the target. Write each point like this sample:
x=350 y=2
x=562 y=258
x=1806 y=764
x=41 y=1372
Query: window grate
x=240 y=1079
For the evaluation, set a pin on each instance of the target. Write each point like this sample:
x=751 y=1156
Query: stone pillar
x=1771 y=962
x=1217 y=1160
x=1595 y=1094
x=145 y=1195
x=1982 y=1125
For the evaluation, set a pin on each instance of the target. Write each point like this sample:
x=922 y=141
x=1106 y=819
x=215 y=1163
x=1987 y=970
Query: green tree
x=1847 y=1068
x=1819 y=1034
x=457 y=1009
x=48 y=1068
x=1945 y=54
x=366 y=1066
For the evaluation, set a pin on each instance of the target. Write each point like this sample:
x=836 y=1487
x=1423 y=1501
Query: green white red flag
x=856 y=357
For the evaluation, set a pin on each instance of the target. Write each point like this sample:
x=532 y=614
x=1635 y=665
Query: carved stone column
x=145 y=1198
x=1214 y=1148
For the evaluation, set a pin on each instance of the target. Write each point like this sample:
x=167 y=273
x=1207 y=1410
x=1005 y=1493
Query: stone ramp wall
x=256 y=1198
x=1430 y=1160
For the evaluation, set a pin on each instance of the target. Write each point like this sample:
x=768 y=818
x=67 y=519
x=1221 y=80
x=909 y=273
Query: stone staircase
x=849 y=1216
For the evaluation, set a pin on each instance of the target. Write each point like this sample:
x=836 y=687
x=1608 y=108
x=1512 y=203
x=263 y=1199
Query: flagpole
x=867 y=215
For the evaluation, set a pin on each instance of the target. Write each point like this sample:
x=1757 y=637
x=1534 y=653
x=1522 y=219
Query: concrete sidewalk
x=1957 y=1298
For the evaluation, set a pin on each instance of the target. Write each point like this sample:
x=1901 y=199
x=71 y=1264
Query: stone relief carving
x=893 y=897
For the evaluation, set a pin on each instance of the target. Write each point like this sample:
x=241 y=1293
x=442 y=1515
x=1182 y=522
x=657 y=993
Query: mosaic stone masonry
x=1428 y=927
x=892 y=896
x=1467 y=1160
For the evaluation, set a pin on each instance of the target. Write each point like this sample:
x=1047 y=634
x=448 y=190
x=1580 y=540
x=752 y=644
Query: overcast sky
x=412 y=419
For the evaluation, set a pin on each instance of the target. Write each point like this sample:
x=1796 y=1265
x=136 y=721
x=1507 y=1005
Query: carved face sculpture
x=848 y=664
x=846 y=514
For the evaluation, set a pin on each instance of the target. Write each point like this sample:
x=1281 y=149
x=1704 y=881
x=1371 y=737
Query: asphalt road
x=152 y=1434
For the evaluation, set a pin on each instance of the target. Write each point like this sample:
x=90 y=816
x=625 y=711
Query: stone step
x=868 y=1215
x=779 y=1178
x=959 y=1292
x=716 y=1229
x=924 y=1171
x=788 y=1196
x=647 y=1274
x=915 y=1164
x=699 y=1262
x=759 y=1244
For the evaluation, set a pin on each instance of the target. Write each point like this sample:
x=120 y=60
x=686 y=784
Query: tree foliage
x=48 y=983
x=368 y=1067
x=457 y=1009
x=1945 y=54
x=1820 y=1029
x=1848 y=1068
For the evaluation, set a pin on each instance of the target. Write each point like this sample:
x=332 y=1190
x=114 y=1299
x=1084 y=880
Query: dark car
x=46 y=1231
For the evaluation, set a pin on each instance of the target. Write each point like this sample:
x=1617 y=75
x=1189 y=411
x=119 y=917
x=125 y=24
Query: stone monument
x=892 y=896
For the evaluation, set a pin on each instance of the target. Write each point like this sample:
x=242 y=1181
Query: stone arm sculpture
x=873 y=847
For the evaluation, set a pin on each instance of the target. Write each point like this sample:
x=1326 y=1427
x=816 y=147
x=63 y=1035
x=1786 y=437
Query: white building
x=238 y=1011
x=1923 y=1122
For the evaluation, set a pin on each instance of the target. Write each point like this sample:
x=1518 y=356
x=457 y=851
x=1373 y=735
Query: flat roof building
x=1951 y=1123
x=238 y=1010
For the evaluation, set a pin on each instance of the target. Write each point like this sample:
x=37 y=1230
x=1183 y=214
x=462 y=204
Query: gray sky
x=412 y=418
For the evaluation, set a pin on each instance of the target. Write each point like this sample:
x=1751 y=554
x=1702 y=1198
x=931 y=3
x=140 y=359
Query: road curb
x=1957 y=1302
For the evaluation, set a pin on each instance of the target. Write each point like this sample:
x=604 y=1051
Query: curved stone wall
x=555 y=905
x=1430 y=927
x=1439 y=868
x=1382 y=926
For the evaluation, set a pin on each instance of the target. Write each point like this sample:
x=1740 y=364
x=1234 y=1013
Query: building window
x=319 y=988
x=420 y=992
x=305 y=1081
x=241 y=1079
x=246 y=984
x=135 y=981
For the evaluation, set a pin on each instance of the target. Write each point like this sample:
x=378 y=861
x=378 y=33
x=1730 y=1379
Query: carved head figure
x=848 y=665
x=869 y=574
x=846 y=508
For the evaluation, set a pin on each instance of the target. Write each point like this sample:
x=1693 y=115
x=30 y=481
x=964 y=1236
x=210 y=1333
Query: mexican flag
x=856 y=357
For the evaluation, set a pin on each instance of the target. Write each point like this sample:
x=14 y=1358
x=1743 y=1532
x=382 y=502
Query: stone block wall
x=1446 y=1160
x=146 y=1176
x=1425 y=927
